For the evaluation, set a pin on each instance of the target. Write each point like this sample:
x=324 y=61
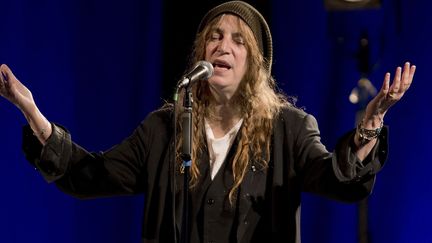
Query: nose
x=223 y=46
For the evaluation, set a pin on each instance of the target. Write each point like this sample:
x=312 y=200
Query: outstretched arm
x=14 y=91
x=378 y=107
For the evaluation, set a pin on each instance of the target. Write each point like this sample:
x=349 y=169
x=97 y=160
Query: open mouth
x=219 y=64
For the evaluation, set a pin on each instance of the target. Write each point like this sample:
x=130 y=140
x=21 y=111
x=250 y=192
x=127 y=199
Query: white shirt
x=219 y=147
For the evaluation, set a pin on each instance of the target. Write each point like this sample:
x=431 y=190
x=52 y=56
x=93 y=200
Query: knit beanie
x=252 y=18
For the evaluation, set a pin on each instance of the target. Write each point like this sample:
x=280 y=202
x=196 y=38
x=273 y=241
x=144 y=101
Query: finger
x=406 y=71
x=7 y=72
x=386 y=84
x=385 y=87
x=2 y=69
x=394 y=88
x=406 y=81
x=4 y=76
x=2 y=80
x=8 y=76
x=1 y=84
x=411 y=73
x=1 y=77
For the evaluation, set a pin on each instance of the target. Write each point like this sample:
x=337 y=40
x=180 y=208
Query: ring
x=391 y=95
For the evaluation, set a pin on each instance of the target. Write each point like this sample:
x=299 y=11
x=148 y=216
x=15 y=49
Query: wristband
x=366 y=135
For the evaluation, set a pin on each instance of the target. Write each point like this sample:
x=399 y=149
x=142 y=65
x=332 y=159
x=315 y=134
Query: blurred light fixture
x=364 y=90
x=351 y=4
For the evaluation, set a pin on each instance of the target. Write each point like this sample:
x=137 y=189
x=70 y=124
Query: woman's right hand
x=14 y=91
x=18 y=94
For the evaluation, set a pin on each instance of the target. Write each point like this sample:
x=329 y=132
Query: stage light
x=336 y=5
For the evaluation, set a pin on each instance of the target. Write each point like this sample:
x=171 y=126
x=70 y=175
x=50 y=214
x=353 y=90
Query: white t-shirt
x=219 y=147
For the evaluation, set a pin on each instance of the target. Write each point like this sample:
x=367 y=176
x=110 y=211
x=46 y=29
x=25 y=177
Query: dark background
x=98 y=67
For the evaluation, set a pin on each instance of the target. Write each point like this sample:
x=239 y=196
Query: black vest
x=214 y=219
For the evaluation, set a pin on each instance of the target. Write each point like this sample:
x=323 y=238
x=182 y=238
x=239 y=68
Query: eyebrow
x=237 y=34
x=221 y=31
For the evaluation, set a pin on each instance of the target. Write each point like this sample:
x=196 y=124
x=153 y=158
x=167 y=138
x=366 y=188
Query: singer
x=253 y=152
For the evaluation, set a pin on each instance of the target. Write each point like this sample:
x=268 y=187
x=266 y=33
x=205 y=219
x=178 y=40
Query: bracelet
x=367 y=135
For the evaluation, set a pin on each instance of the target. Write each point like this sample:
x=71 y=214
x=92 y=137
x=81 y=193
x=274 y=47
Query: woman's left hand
x=378 y=107
x=390 y=95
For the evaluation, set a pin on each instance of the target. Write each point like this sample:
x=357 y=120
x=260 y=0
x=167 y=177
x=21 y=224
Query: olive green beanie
x=252 y=18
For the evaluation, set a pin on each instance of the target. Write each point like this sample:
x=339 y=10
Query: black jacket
x=270 y=210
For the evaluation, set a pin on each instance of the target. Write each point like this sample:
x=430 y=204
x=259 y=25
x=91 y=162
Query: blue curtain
x=96 y=67
x=317 y=61
x=93 y=66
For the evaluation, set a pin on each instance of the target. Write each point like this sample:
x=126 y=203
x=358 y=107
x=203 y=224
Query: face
x=226 y=50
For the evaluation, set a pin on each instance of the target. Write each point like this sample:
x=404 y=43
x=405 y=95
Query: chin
x=218 y=82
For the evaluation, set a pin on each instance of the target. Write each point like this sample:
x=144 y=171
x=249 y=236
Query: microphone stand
x=202 y=70
x=365 y=90
x=360 y=95
x=186 y=156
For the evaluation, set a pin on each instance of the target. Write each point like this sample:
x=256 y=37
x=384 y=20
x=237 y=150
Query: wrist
x=369 y=129
x=39 y=124
x=372 y=121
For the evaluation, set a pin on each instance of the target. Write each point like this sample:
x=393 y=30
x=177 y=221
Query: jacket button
x=210 y=201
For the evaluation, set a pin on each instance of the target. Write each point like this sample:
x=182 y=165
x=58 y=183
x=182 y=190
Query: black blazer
x=270 y=207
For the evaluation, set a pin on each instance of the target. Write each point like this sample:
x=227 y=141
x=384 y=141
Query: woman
x=253 y=152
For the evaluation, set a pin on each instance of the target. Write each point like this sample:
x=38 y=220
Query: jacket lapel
x=252 y=191
x=255 y=183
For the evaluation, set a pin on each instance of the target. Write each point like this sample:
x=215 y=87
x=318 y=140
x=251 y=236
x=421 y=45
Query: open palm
x=13 y=90
x=390 y=95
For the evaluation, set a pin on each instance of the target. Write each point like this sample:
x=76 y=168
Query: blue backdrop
x=96 y=67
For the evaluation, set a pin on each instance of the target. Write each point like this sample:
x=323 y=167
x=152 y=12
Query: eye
x=215 y=36
x=239 y=39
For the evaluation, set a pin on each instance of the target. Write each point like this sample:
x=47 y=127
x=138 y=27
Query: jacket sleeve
x=89 y=174
x=339 y=175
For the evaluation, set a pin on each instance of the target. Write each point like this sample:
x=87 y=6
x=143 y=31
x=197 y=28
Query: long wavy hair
x=258 y=102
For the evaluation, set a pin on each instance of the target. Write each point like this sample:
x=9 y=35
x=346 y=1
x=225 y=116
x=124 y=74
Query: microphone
x=201 y=71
